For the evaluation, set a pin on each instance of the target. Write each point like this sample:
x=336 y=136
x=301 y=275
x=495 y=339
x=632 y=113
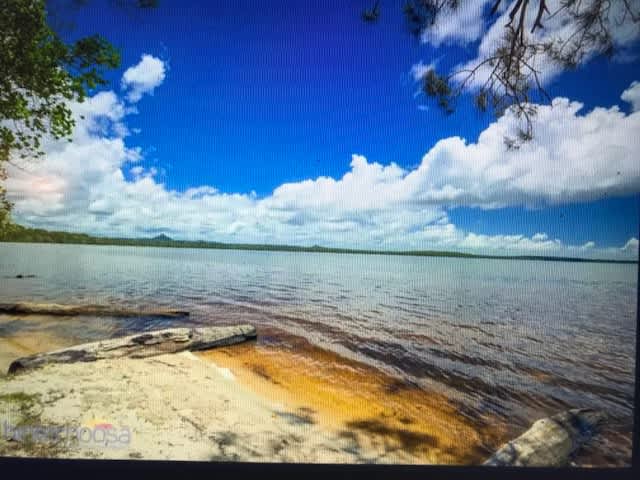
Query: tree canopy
x=39 y=75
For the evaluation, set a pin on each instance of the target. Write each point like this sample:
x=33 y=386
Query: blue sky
x=259 y=94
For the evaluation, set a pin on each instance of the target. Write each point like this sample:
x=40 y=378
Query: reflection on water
x=515 y=339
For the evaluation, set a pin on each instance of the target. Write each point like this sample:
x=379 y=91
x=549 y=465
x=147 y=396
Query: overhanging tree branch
x=513 y=69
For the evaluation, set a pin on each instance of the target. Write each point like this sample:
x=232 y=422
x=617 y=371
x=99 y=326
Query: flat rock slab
x=550 y=441
x=140 y=345
x=28 y=308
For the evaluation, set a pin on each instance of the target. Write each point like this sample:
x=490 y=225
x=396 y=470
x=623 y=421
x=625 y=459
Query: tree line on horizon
x=20 y=234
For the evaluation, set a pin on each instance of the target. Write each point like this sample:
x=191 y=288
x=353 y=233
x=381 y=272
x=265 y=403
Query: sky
x=295 y=122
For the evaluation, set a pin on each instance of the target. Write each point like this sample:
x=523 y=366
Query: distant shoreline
x=20 y=234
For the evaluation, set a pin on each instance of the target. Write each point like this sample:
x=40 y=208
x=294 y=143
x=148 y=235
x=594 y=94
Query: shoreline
x=84 y=239
x=282 y=399
x=168 y=407
x=319 y=406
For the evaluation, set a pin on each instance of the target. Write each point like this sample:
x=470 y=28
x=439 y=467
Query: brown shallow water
x=361 y=402
x=28 y=342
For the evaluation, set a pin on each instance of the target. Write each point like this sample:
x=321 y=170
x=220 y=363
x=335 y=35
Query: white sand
x=175 y=407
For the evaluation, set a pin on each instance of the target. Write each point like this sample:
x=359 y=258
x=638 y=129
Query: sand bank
x=174 y=406
x=247 y=402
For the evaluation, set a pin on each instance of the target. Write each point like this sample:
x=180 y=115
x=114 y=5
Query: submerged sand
x=24 y=344
x=377 y=411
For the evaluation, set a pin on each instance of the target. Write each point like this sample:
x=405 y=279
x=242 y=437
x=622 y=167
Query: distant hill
x=162 y=238
x=18 y=233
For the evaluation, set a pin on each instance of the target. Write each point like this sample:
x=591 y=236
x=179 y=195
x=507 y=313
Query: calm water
x=513 y=339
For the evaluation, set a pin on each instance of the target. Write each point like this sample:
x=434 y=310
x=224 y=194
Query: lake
x=513 y=339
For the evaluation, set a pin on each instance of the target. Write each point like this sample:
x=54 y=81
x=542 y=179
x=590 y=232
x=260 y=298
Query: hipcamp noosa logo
x=94 y=433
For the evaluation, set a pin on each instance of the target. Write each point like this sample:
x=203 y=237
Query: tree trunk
x=141 y=345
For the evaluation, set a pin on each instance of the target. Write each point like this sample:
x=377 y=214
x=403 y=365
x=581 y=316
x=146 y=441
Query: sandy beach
x=175 y=406
x=238 y=403
x=279 y=398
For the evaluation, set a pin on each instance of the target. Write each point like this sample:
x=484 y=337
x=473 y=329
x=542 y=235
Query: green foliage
x=40 y=74
x=371 y=16
x=438 y=87
x=147 y=3
x=5 y=205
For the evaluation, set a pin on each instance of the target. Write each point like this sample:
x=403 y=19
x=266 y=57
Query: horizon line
x=163 y=240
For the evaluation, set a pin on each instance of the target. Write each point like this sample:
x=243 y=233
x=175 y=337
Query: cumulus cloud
x=98 y=184
x=573 y=157
x=143 y=77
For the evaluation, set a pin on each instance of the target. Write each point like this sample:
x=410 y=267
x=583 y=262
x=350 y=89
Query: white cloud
x=572 y=158
x=522 y=245
x=631 y=246
x=632 y=96
x=575 y=156
x=590 y=245
x=463 y=25
x=143 y=77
